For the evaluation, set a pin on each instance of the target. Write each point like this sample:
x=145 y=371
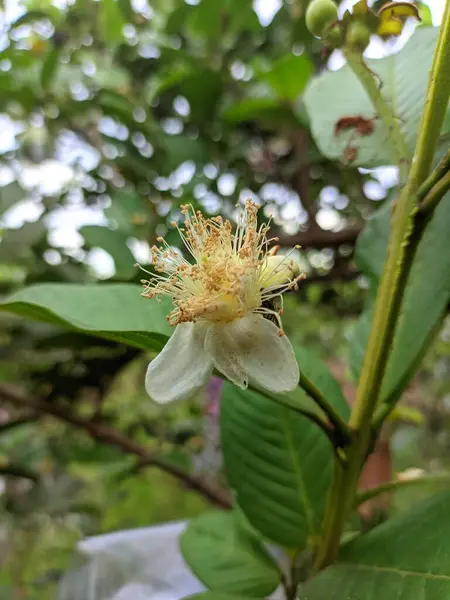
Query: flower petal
x=220 y=343
x=251 y=349
x=181 y=368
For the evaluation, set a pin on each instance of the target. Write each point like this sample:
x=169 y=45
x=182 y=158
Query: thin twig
x=340 y=427
x=397 y=484
x=13 y=470
x=13 y=423
x=112 y=437
x=319 y=238
x=435 y=195
x=301 y=179
x=437 y=174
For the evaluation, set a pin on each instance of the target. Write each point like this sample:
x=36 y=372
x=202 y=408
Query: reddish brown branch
x=320 y=238
x=301 y=180
x=112 y=437
x=342 y=272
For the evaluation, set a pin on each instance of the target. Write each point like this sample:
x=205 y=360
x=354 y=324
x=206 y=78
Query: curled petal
x=221 y=345
x=181 y=368
x=252 y=349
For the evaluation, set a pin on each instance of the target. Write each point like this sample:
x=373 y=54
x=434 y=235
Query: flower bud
x=278 y=271
x=358 y=37
x=320 y=15
x=334 y=36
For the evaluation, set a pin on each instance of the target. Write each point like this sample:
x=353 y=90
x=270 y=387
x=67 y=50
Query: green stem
x=399 y=484
x=384 y=111
x=439 y=172
x=335 y=427
x=336 y=420
x=292 y=404
x=435 y=195
x=336 y=507
x=393 y=281
x=436 y=103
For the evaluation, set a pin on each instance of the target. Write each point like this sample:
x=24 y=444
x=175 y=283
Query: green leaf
x=289 y=75
x=212 y=20
x=112 y=21
x=317 y=372
x=279 y=462
x=29 y=17
x=371 y=245
x=203 y=91
x=16 y=244
x=406 y=557
x=227 y=557
x=127 y=210
x=126 y=9
x=339 y=94
x=180 y=148
x=242 y=17
x=116 y=105
x=424 y=303
x=49 y=67
x=111 y=311
x=216 y=596
x=268 y=111
x=113 y=242
x=9 y=195
x=206 y=19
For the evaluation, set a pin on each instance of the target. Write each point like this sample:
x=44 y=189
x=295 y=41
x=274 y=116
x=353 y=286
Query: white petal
x=251 y=349
x=181 y=368
x=220 y=343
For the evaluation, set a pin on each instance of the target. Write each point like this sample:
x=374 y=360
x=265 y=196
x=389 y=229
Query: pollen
x=227 y=276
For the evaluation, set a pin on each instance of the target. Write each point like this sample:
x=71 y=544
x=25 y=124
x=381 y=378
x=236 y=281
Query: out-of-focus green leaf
x=289 y=75
x=211 y=20
x=127 y=210
x=242 y=17
x=31 y=16
x=112 y=21
x=126 y=9
x=203 y=91
x=206 y=19
x=166 y=80
x=217 y=596
x=49 y=67
x=228 y=558
x=9 y=195
x=115 y=243
x=270 y=112
x=335 y=95
x=112 y=311
x=16 y=244
x=405 y=557
x=180 y=148
x=371 y=246
x=116 y=105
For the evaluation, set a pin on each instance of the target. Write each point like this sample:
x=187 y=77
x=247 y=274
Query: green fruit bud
x=358 y=36
x=334 y=36
x=320 y=15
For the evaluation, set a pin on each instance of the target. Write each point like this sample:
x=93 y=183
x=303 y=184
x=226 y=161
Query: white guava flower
x=227 y=306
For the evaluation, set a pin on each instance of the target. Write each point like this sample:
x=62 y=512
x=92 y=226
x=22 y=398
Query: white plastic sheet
x=139 y=564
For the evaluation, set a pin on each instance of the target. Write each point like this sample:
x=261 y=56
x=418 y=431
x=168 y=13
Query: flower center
x=231 y=274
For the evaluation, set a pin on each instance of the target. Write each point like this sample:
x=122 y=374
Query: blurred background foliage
x=113 y=114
